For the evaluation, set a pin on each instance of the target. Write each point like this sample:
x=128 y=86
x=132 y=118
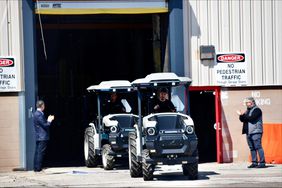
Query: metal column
x=30 y=78
x=176 y=43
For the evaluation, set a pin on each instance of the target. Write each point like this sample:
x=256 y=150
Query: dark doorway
x=202 y=110
x=83 y=51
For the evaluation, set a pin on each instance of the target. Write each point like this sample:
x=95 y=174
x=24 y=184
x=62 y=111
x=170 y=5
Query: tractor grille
x=170 y=137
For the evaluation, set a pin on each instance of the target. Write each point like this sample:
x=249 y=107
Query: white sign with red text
x=231 y=69
x=8 y=75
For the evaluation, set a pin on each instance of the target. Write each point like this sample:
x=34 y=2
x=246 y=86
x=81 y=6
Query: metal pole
x=176 y=43
x=186 y=38
x=99 y=120
x=219 y=155
x=139 y=129
x=187 y=100
x=30 y=80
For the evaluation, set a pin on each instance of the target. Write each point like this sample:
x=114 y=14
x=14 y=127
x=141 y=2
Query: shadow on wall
x=196 y=32
x=195 y=27
x=227 y=144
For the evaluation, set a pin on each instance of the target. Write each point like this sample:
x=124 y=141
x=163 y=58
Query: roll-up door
x=80 y=7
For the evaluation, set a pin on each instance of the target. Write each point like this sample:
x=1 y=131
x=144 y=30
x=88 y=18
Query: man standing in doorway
x=253 y=128
x=41 y=126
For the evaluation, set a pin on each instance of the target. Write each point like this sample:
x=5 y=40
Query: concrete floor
x=210 y=175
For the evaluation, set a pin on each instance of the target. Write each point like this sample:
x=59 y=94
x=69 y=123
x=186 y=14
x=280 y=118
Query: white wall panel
x=11 y=34
x=4 y=44
x=224 y=25
x=267 y=29
x=213 y=32
x=203 y=40
x=246 y=36
x=235 y=26
x=195 y=34
x=278 y=41
x=253 y=27
x=16 y=38
x=257 y=43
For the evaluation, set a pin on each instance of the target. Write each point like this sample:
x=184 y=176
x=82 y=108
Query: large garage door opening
x=202 y=110
x=74 y=52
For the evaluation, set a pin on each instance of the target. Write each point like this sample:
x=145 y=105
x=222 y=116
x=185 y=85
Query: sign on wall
x=77 y=7
x=231 y=69
x=8 y=75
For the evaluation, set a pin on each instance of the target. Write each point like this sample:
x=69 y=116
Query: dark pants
x=254 y=142
x=39 y=154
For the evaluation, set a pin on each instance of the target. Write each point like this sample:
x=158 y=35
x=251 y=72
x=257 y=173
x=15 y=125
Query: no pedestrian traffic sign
x=8 y=75
x=231 y=69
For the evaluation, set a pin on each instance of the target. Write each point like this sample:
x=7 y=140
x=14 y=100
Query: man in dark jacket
x=41 y=126
x=252 y=127
x=114 y=106
x=163 y=104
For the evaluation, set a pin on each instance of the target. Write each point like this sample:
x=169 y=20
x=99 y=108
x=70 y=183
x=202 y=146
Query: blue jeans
x=254 y=142
x=39 y=154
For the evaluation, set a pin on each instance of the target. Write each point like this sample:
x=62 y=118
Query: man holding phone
x=41 y=125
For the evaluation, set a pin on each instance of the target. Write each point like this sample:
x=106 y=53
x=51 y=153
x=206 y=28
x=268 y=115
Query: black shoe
x=262 y=165
x=253 y=166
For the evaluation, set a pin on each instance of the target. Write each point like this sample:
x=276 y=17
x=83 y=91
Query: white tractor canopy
x=159 y=79
x=112 y=86
x=166 y=79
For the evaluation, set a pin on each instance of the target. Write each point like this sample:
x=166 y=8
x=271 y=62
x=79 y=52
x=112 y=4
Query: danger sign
x=8 y=75
x=231 y=69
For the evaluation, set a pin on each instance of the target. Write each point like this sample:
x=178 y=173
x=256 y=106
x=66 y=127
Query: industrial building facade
x=54 y=49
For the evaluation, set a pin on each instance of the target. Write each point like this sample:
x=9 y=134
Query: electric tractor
x=106 y=138
x=166 y=138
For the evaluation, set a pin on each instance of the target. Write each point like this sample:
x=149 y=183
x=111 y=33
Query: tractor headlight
x=113 y=129
x=189 y=129
x=151 y=131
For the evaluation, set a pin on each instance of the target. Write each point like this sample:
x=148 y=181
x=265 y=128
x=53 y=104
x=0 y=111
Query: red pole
x=218 y=125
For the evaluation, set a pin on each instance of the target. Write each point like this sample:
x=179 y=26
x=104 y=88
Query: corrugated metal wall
x=10 y=103
x=253 y=27
x=11 y=39
x=10 y=20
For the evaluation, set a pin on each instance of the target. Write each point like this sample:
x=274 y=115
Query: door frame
x=216 y=90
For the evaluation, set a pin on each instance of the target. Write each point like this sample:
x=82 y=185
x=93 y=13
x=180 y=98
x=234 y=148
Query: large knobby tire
x=147 y=169
x=91 y=158
x=108 y=160
x=191 y=170
x=135 y=167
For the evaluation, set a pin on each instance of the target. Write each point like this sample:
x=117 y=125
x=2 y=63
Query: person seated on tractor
x=163 y=104
x=115 y=105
